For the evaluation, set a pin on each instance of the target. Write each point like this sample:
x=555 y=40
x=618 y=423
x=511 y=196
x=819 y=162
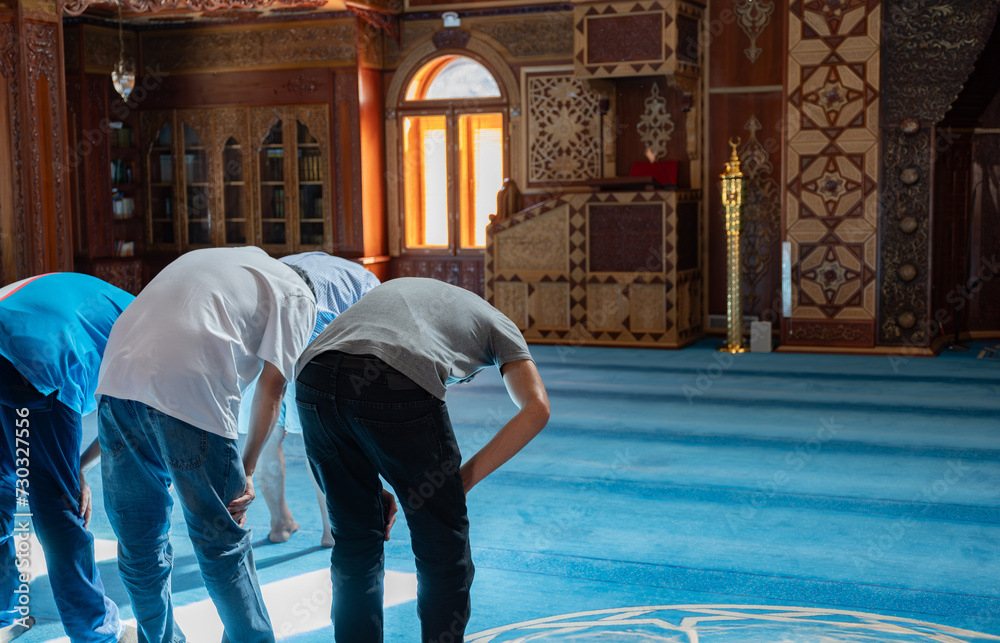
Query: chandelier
x=123 y=75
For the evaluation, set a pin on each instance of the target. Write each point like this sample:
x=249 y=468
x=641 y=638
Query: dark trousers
x=362 y=418
x=49 y=452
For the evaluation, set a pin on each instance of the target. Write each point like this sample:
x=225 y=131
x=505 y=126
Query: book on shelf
x=310 y=168
x=124 y=248
x=121 y=172
x=121 y=136
x=122 y=207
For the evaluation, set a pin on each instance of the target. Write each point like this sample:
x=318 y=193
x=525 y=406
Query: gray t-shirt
x=434 y=333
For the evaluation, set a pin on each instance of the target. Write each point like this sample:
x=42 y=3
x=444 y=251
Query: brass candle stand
x=732 y=200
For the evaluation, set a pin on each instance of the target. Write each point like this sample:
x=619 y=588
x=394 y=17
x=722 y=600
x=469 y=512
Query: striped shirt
x=339 y=283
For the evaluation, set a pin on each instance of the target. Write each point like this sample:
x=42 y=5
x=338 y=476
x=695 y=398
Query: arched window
x=452 y=152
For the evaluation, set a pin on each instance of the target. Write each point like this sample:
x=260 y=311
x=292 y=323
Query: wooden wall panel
x=466 y=272
x=923 y=71
x=597 y=268
x=757 y=119
x=832 y=173
x=650 y=114
x=746 y=41
x=32 y=66
x=639 y=38
x=243 y=88
x=748 y=36
x=563 y=132
x=318 y=43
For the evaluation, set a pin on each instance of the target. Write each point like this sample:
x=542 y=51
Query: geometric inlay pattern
x=636 y=38
x=623 y=299
x=716 y=623
x=832 y=168
x=564 y=129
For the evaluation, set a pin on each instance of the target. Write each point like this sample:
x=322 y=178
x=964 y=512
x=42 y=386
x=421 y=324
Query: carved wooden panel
x=530 y=35
x=604 y=307
x=621 y=235
x=596 y=268
x=126 y=275
x=616 y=39
x=512 y=300
x=15 y=263
x=465 y=272
x=624 y=38
x=833 y=169
x=294 y=45
x=46 y=208
x=648 y=310
x=540 y=244
x=101 y=49
x=930 y=49
x=551 y=310
x=564 y=128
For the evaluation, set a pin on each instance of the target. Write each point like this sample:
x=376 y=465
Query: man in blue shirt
x=339 y=283
x=53 y=330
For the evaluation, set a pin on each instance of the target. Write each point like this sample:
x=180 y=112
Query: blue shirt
x=53 y=329
x=339 y=283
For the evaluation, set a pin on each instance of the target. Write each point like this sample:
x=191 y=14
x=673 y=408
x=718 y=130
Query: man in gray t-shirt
x=371 y=397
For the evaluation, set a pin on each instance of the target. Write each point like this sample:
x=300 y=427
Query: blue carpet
x=692 y=496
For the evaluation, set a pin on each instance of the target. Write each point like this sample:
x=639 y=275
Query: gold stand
x=732 y=200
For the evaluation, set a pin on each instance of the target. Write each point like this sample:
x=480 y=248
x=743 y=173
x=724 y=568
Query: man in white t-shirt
x=170 y=388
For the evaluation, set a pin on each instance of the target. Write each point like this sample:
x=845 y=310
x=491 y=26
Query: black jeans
x=362 y=418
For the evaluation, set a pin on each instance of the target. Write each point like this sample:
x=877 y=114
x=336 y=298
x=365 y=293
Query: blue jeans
x=361 y=418
x=143 y=452
x=52 y=460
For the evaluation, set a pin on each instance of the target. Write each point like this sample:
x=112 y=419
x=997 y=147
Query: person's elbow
x=539 y=411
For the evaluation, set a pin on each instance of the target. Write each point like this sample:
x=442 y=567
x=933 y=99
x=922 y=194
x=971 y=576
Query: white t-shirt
x=199 y=333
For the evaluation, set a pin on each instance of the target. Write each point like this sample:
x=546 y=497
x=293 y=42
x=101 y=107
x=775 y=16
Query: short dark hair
x=305 y=277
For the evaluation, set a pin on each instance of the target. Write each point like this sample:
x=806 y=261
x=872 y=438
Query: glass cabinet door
x=310 y=180
x=197 y=190
x=272 y=188
x=162 y=199
x=233 y=194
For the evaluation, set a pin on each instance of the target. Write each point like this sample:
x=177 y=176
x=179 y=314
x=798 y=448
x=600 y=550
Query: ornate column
x=34 y=194
x=931 y=47
x=831 y=174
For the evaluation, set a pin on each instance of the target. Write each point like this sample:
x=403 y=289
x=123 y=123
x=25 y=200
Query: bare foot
x=282 y=532
x=327 y=541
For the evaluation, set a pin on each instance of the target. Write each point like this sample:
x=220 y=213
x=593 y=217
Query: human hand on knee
x=239 y=505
